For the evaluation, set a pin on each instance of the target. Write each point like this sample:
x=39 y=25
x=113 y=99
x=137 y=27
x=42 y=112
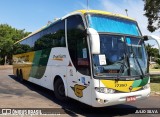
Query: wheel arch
x=64 y=82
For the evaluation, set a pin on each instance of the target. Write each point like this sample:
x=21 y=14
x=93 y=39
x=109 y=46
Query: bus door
x=78 y=71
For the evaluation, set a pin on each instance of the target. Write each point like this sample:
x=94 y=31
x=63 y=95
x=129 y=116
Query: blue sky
x=34 y=14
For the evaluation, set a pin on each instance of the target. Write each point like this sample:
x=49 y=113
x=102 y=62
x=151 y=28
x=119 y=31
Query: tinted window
x=54 y=36
x=77 y=44
x=22 y=47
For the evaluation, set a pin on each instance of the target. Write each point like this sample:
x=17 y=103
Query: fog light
x=101 y=101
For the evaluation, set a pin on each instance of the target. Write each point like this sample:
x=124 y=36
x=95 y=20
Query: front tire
x=59 y=90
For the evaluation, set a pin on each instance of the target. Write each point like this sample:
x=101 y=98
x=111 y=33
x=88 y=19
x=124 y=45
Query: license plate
x=131 y=98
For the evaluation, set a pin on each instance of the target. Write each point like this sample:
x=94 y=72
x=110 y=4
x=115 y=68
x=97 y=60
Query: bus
x=92 y=56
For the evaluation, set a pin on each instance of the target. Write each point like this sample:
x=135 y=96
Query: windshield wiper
x=122 y=66
x=135 y=57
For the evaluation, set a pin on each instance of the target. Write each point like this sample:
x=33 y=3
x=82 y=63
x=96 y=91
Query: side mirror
x=145 y=38
x=95 y=40
x=152 y=37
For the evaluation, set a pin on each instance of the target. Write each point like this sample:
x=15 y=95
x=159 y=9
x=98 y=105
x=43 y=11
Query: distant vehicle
x=92 y=56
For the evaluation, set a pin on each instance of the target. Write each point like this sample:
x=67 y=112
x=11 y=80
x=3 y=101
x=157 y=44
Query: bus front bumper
x=102 y=99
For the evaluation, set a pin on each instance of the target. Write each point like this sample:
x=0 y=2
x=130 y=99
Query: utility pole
x=126 y=12
x=87 y=4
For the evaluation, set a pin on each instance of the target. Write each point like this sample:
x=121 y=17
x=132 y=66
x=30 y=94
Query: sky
x=34 y=14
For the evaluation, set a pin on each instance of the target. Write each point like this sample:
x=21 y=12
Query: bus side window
x=54 y=36
x=22 y=47
x=77 y=44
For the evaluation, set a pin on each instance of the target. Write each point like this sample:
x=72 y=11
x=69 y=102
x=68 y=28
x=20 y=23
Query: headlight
x=111 y=90
x=104 y=90
x=146 y=86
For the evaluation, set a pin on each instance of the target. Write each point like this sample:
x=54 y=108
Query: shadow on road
x=73 y=107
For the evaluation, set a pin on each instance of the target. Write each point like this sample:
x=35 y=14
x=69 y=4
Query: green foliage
x=158 y=60
x=152 y=12
x=153 y=52
x=18 y=48
x=8 y=36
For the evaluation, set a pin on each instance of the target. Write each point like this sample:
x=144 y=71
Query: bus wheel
x=21 y=76
x=59 y=90
x=17 y=73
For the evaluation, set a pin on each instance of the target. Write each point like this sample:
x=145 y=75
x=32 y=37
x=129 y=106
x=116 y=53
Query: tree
x=8 y=36
x=152 y=12
x=152 y=51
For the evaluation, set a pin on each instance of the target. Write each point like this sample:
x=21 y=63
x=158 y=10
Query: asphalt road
x=14 y=94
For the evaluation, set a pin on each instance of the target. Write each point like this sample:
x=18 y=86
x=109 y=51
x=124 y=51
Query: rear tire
x=17 y=73
x=59 y=90
x=21 y=76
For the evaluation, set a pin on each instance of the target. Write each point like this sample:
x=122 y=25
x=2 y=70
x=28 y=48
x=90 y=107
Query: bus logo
x=78 y=90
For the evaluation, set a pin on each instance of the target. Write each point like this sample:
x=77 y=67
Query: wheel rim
x=61 y=90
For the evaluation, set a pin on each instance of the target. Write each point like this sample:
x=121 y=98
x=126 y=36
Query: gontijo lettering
x=59 y=57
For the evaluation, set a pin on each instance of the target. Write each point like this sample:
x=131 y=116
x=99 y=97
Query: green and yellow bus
x=95 y=57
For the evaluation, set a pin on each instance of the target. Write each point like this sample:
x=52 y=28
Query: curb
x=4 y=67
x=153 y=93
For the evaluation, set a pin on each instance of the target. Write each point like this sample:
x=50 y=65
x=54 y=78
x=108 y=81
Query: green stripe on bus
x=35 y=63
x=140 y=82
x=39 y=63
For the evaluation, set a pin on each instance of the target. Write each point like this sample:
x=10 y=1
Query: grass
x=155 y=83
x=155 y=87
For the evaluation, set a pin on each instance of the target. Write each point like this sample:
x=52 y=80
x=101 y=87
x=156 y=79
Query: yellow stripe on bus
x=124 y=86
x=23 y=62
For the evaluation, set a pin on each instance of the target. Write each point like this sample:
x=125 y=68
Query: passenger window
x=22 y=47
x=54 y=36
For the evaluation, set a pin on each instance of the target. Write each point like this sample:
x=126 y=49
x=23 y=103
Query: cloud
x=135 y=10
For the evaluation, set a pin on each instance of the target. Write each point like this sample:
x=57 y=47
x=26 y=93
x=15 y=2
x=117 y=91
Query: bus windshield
x=117 y=52
x=120 y=55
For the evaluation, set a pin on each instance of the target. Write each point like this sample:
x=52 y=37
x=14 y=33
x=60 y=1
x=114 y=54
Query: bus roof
x=82 y=12
x=105 y=13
